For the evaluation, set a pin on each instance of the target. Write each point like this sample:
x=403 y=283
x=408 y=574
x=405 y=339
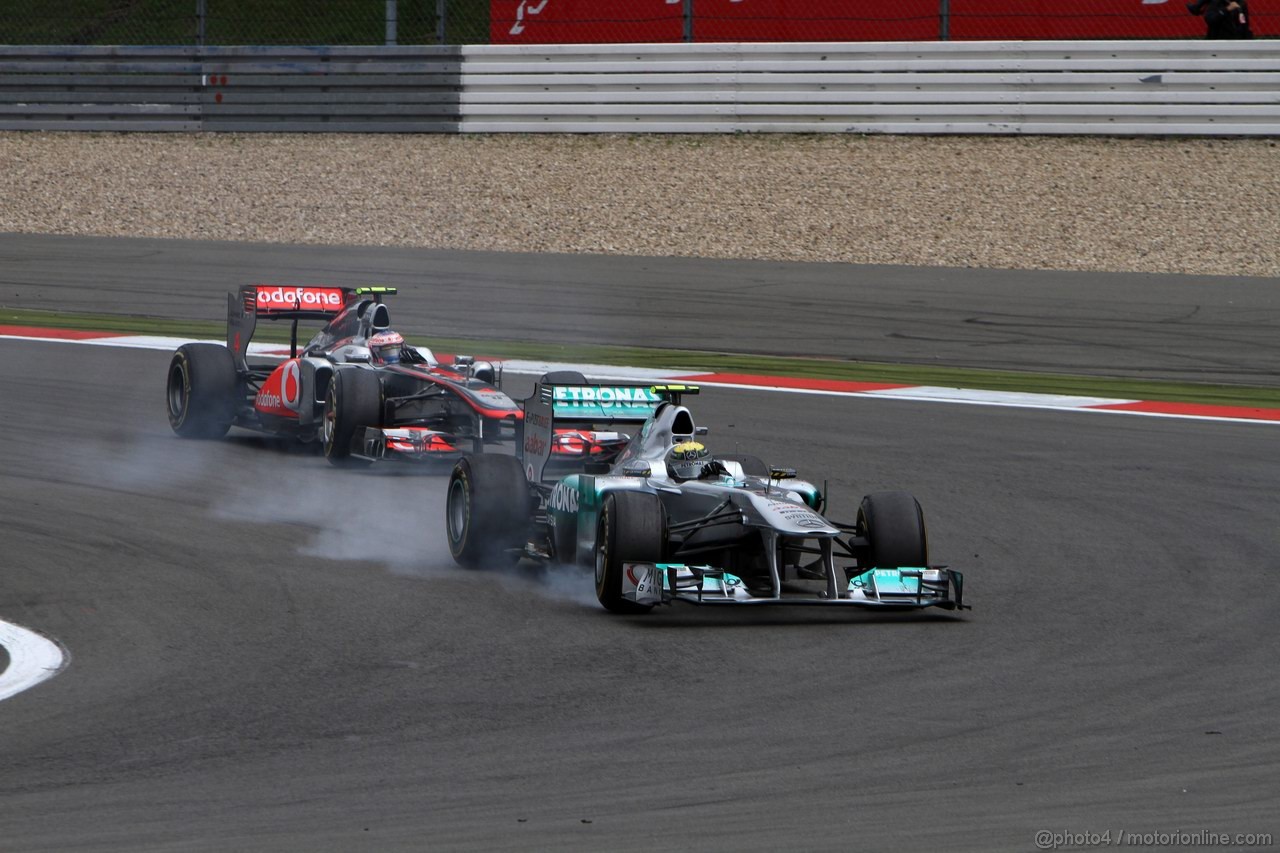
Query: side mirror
x=699 y=430
x=637 y=469
x=782 y=473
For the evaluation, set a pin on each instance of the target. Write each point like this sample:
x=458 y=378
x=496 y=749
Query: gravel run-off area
x=1076 y=203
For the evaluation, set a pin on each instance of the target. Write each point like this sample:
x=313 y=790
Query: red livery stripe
x=1161 y=407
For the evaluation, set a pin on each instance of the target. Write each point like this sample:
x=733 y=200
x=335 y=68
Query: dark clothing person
x=1225 y=19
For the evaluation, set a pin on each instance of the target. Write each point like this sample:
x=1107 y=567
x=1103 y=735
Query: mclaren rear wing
x=586 y=406
x=286 y=302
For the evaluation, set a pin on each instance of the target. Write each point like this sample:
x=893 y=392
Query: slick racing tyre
x=752 y=466
x=354 y=400
x=564 y=535
x=487 y=511
x=633 y=529
x=893 y=524
x=201 y=391
x=563 y=377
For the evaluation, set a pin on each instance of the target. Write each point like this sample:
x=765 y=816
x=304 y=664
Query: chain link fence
x=407 y=22
x=244 y=22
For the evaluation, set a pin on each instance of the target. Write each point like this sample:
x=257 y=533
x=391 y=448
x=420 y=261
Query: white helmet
x=386 y=347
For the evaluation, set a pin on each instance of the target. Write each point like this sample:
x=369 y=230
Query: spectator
x=1224 y=19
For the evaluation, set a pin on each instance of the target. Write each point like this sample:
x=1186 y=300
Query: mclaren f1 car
x=356 y=387
x=660 y=519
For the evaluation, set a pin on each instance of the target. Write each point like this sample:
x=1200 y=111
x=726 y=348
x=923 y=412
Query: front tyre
x=633 y=529
x=354 y=400
x=201 y=390
x=893 y=524
x=487 y=511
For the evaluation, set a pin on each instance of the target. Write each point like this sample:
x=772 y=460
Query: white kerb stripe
x=32 y=659
x=917 y=393
x=1007 y=398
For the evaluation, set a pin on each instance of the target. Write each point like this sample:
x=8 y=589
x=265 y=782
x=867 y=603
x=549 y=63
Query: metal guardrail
x=279 y=89
x=1107 y=88
x=57 y=88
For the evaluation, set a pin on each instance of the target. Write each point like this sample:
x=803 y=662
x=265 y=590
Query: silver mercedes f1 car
x=661 y=520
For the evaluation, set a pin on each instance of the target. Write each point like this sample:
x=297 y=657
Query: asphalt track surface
x=1194 y=328
x=268 y=654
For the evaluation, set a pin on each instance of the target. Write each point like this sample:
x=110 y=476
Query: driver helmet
x=688 y=460
x=385 y=347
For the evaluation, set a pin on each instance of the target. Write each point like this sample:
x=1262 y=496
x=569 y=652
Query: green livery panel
x=603 y=402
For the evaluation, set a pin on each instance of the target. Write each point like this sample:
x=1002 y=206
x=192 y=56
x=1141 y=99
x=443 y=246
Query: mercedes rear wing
x=586 y=406
x=286 y=302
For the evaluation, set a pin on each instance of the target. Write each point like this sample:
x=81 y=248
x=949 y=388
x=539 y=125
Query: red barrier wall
x=1081 y=19
x=606 y=21
x=585 y=21
x=815 y=20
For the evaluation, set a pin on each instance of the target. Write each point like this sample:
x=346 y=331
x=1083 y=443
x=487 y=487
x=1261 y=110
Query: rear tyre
x=354 y=400
x=633 y=529
x=893 y=524
x=752 y=466
x=565 y=533
x=563 y=377
x=201 y=390
x=487 y=511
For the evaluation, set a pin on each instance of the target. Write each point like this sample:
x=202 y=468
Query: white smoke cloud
x=389 y=513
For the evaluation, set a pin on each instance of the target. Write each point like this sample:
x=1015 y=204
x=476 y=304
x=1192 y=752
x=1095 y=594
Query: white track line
x=921 y=393
x=32 y=659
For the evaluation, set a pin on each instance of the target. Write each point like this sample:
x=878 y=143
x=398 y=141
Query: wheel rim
x=861 y=528
x=330 y=418
x=177 y=391
x=456 y=511
x=602 y=549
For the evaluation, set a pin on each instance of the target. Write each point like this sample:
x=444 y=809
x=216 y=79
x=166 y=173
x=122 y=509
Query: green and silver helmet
x=688 y=460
